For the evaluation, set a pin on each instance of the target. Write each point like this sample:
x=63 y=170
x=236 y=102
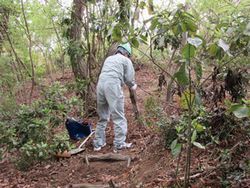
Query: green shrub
x=60 y=143
x=206 y=127
x=31 y=128
x=157 y=119
x=8 y=106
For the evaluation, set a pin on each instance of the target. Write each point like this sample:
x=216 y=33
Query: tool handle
x=86 y=139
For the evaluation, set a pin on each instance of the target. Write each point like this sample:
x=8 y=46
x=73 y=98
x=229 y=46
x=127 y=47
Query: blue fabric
x=78 y=130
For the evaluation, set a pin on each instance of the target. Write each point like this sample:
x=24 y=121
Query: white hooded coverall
x=117 y=70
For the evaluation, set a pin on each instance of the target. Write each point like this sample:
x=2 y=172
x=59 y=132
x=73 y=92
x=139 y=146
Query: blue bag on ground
x=77 y=130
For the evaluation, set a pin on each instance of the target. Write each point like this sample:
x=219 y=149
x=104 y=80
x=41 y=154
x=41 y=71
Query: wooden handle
x=132 y=95
x=86 y=139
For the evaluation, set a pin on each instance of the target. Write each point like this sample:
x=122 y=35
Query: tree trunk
x=17 y=58
x=81 y=68
x=5 y=35
x=75 y=36
x=30 y=52
x=124 y=7
x=61 y=48
x=3 y=25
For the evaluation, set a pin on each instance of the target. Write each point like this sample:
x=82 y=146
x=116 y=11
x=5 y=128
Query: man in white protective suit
x=117 y=70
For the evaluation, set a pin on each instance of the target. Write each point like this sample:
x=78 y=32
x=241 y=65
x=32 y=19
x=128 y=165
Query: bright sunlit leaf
x=223 y=45
x=194 y=41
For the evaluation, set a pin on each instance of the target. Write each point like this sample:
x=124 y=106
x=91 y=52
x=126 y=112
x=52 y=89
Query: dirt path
x=149 y=156
x=152 y=165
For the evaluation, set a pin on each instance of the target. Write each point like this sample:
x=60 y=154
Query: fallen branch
x=231 y=150
x=108 y=157
x=200 y=174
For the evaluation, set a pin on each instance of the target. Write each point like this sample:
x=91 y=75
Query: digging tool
x=133 y=98
x=76 y=150
x=80 y=148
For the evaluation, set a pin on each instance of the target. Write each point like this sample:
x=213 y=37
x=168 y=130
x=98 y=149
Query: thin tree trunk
x=60 y=45
x=17 y=58
x=30 y=51
x=171 y=81
x=88 y=96
x=124 y=13
x=188 y=154
x=4 y=33
x=88 y=41
x=135 y=13
x=15 y=71
x=3 y=25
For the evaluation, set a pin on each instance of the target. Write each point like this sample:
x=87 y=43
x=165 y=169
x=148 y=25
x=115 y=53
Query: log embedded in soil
x=87 y=185
x=108 y=157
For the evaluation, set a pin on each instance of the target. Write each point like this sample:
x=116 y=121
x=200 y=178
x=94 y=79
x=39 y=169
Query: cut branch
x=200 y=174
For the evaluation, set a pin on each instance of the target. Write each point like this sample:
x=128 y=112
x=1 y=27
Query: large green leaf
x=197 y=144
x=240 y=111
x=191 y=26
x=197 y=126
x=143 y=38
x=196 y=41
x=177 y=29
x=154 y=23
x=189 y=16
x=183 y=27
x=175 y=148
x=213 y=49
x=223 y=45
x=194 y=136
x=135 y=42
x=188 y=51
x=247 y=102
x=181 y=75
x=116 y=33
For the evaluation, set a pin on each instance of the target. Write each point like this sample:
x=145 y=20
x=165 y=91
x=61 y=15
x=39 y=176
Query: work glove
x=134 y=87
